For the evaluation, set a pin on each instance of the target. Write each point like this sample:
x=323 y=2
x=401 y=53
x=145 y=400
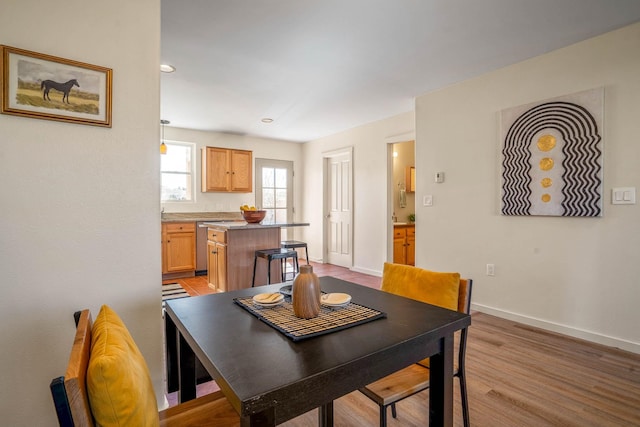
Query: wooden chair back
x=71 y=398
x=464 y=296
x=70 y=392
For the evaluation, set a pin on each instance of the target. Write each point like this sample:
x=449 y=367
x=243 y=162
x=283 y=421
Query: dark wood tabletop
x=269 y=379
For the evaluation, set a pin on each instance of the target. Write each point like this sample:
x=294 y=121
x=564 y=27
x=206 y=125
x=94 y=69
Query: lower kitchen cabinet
x=404 y=244
x=217 y=260
x=178 y=249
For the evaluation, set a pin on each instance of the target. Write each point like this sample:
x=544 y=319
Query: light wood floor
x=517 y=375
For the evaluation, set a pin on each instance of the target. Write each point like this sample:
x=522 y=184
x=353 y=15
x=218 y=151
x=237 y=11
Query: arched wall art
x=552 y=156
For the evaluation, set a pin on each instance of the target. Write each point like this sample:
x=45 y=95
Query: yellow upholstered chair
x=107 y=383
x=443 y=289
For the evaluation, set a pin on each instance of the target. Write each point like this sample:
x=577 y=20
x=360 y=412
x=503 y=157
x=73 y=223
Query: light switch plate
x=427 y=200
x=623 y=196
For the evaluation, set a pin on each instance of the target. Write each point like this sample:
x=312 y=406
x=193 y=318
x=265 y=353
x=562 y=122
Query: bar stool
x=293 y=244
x=271 y=254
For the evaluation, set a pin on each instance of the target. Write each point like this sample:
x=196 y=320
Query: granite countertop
x=200 y=216
x=245 y=225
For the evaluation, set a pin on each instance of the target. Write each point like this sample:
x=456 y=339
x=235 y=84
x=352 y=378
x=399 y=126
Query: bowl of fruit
x=251 y=214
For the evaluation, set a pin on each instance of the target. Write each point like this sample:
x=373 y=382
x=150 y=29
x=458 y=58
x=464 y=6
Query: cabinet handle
x=214 y=252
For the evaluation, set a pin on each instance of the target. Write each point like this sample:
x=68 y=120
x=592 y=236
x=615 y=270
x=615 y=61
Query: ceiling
x=318 y=67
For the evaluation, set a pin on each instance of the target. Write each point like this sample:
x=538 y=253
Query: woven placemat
x=330 y=319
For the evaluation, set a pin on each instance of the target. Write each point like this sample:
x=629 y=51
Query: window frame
x=192 y=172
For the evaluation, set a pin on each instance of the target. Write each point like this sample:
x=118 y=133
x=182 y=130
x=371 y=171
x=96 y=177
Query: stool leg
x=306 y=251
x=269 y=271
x=253 y=279
x=297 y=267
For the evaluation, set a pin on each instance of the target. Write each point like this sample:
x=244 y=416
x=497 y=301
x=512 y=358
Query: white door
x=274 y=190
x=339 y=208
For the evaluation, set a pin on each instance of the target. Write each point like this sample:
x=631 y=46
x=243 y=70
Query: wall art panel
x=552 y=156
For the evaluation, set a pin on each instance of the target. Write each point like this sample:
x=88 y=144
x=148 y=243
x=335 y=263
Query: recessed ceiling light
x=166 y=68
x=267 y=120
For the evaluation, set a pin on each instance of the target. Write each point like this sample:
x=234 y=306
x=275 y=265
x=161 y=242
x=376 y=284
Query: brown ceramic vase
x=306 y=293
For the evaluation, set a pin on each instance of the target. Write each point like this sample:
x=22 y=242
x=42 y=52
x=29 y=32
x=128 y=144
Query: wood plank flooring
x=517 y=375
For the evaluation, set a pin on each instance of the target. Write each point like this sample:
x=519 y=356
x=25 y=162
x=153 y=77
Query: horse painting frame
x=48 y=87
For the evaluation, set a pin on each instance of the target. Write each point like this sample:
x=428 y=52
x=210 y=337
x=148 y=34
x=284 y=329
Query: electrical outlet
x=491 y=270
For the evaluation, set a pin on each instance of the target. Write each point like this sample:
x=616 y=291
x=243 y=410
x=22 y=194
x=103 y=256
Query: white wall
x=574 y=275
x=80 y=221
x=372 y=212
x=230 y=202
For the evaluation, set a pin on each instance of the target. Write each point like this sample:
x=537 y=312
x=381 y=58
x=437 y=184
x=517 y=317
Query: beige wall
x=372 y=192
x=575 y=275
x=80 y=219
x=261 y=148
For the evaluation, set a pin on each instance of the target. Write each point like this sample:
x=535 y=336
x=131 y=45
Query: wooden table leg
x=441 y=385
x=171 y=353
x=187 y=371
x=266 y=418
x=325 y=415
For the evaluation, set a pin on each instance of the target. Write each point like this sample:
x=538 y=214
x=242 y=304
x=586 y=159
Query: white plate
x=268 y=299
x=335 y=299
x=275 y=304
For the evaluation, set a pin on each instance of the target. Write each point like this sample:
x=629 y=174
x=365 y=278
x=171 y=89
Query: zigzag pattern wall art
x=552 y=157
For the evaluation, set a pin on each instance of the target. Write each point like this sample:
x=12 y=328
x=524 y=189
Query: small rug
x=173 y=291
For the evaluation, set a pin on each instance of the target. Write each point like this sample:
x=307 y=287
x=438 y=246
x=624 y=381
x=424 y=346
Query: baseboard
x=368 y=271
x=560 y=328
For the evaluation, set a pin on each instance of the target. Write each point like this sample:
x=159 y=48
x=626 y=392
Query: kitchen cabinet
x=404 y=244
x=217 y=259
x=178 y=249
x=226 y=170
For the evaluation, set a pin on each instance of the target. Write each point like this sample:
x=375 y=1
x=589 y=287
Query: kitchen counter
x=200 y=216
x=246 y=225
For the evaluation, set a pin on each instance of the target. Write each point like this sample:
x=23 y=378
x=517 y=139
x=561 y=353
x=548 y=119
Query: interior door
x=339 y=204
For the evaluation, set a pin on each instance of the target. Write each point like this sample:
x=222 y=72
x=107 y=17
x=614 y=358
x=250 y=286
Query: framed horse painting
x=47 y=87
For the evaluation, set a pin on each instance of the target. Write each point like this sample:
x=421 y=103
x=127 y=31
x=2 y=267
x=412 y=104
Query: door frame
x=326 y=155
x=404 y=137
x=261 y=162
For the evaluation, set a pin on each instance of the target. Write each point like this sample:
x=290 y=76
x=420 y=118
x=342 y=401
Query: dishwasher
x=201 y=249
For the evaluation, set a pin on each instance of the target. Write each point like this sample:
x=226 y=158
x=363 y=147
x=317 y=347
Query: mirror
x=410 y=179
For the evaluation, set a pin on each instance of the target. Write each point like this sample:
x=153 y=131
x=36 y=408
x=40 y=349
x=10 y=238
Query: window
x=176 y=173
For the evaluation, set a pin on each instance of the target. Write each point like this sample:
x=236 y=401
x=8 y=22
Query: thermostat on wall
x=439 y=177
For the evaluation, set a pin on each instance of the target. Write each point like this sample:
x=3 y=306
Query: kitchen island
x=231 y=246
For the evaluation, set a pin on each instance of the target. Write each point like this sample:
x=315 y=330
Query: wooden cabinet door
x=180 y=251
x=411 y=246
x=241 y=167
x=399 y=250
x=225 y=170
x=216 y=173
x=221 y=267
x=212 y=265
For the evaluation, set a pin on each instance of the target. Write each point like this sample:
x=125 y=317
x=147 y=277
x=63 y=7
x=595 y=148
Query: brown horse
x=65 y=88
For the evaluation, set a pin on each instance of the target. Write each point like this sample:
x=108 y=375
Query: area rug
x=173 y=291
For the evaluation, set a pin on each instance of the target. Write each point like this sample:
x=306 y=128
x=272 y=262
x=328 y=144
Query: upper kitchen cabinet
x=226 y=170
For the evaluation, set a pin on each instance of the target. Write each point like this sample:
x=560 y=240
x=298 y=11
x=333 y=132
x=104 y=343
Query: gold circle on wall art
x=546 y=142
x=546 y=163
x=546 y=198
x=546 y=182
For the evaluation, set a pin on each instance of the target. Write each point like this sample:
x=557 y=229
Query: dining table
x=270 y=376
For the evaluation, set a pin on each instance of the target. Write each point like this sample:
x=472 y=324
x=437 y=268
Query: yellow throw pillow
x=435 y=288
x=118 y=382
